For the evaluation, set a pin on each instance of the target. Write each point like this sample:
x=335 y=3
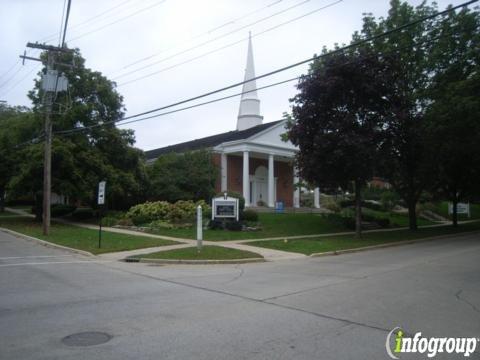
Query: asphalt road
x=338 y=307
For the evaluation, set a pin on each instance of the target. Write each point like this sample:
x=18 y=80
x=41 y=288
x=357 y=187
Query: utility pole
x=52 y=83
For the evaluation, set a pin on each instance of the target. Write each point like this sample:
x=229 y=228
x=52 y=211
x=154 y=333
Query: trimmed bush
x=215 y=224
x=234 y=225
x=180 y=212
x=148 y=212
x=249 y=215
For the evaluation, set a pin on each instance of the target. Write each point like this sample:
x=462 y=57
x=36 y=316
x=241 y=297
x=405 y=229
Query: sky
x=160 y=52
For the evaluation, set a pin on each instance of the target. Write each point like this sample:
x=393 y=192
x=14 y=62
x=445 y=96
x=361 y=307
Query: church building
x=253 y=159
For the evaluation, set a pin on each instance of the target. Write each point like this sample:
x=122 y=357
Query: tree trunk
x=2 y=199
x=412 y=215
x=358 y=209
x=454 y=212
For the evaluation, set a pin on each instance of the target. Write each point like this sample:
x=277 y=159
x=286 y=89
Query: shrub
x=234 y=225
x=249 y=215
x=109 y=221
x=148 y=212
x=161 y=224
x=58 y=210
x=215 y=224
x=331 y=204
x=125 y=222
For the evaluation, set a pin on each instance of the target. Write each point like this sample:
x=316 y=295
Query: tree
x=337 y=121
x=13 y=122
x=453 y=116
x=186 y=176
x=406 y=160
x=83 y=157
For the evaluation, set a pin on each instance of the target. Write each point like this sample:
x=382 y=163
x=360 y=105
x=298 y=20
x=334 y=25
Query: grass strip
x=81 y=238
x=343 y=242
x=209 y=252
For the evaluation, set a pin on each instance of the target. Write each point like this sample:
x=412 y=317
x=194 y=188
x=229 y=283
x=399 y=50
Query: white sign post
x=100 y=201
x=101 y=193
x=225 y=207
x=199 y=228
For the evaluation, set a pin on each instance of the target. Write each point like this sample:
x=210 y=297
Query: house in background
x=253 y=159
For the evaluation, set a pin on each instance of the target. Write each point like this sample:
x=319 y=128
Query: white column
x=296 y=192
x=271 y=181
x=316 y=198
x=246 y=179
x=224 y=172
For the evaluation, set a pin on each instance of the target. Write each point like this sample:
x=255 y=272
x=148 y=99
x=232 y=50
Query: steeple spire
x=249 y=112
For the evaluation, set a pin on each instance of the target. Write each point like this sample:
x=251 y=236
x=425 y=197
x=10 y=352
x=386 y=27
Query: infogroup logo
x=430 y=346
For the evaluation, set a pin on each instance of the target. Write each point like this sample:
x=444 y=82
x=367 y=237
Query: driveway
x=338 y=307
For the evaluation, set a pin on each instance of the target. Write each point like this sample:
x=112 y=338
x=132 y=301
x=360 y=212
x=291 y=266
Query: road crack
x=462 y=299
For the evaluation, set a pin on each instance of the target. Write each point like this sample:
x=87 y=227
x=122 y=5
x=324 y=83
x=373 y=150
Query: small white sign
x=101 y=193
x=225 y=207
x=462 y=208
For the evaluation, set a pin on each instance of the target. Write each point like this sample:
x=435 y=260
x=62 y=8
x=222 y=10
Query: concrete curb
x=392 y=244
x=194 y=262
x=46 y=243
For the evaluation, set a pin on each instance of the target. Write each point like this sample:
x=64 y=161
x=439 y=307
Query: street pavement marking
x=33 y=256
x=56 y=262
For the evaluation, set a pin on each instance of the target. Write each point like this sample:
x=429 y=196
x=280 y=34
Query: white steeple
x=249 y=112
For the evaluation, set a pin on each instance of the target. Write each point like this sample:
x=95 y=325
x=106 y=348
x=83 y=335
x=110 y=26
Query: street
x=336 y=307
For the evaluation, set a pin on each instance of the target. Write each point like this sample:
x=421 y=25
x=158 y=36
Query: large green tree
x=16 y=124
x=87 y=147
x=416 y=54
x=186 y=176
x=337 y=121
x=454 y=113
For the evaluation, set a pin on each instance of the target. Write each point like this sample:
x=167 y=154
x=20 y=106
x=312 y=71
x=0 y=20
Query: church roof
x=209 y=141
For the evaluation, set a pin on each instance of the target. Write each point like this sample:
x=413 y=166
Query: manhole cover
x=89 y=338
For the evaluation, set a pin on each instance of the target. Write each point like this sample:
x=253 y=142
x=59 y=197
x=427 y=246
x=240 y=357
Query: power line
x=10 y=69
x=117 y=21
x=75 y=26
x=229 y=45
x=208 y=41
x=214 y=39
x=61 y=23
x=123 y=122
x=21 y=80
x=336 y=51
x=208 y=32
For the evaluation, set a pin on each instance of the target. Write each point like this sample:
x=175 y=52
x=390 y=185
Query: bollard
x=199 y=228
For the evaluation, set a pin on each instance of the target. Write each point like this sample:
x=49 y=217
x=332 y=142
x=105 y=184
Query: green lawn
x=207 y=253
x=341 y=242
x=7 y=213
x=273 y=225
x=277 y=225
x=396 y=220
x=442 y=209
x=81 y=238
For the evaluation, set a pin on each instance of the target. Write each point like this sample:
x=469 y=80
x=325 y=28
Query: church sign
x=225 y=208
